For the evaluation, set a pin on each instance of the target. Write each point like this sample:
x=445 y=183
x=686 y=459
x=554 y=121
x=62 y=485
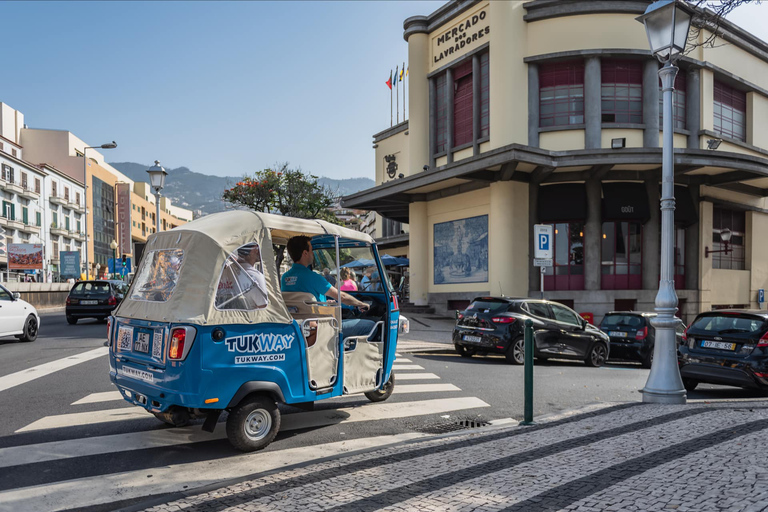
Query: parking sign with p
x=543 y=241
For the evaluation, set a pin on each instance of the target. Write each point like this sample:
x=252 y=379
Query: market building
x=549 y=112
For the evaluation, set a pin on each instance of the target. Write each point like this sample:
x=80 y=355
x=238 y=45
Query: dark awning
x=685 y=210
x=565 y=202
x=625 y=201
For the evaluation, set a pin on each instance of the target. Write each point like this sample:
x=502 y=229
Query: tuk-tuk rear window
x=242 y=284
x=158 y=275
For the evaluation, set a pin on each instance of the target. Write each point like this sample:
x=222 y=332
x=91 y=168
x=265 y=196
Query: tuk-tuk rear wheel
x=253 y=423
x=382 y=394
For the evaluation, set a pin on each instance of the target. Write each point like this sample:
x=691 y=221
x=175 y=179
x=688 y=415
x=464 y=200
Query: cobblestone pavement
x=633 y=457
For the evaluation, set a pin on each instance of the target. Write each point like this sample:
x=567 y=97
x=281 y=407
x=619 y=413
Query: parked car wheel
x=648 y=359
x=597 y=355
x=382 y=394
x=690 y=384
x=465 y=351
x=253 y=423
x=30 y=329
x=71 y=320
x=515 y=354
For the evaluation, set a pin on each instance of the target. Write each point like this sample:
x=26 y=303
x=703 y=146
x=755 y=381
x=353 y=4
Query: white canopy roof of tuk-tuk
x=207 y=243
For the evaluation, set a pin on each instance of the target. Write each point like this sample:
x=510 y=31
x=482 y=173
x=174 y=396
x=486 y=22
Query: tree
x=709 y=17
x=285 y=191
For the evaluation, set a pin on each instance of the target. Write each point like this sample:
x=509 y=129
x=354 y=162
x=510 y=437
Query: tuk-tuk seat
x=303 y=305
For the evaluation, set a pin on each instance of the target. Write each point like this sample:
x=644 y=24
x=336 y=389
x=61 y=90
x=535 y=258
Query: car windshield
x=91 y=287
x=631 y=321
x=158 y=275
x=729 y=323
x=487 y=307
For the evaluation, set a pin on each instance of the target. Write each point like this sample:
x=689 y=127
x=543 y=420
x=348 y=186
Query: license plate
x=89 y=302
x=142 y=342
x=617 y=334
x=474 y=339
x=719 y=345
x=124 y=338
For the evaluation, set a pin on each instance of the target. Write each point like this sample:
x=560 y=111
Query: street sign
x=543 y=234
x=761 y=295
x=542 y=262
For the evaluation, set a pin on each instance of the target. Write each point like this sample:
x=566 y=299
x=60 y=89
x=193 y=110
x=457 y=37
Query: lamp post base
x=659 y=396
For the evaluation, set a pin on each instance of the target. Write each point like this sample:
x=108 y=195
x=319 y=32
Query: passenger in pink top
x=348 y=283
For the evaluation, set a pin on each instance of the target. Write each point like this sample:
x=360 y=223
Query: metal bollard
x=528 y=371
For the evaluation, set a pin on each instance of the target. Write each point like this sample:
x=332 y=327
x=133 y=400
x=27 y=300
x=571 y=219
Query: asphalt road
x=91 y=455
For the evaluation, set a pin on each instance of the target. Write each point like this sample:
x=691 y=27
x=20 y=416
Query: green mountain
x=202 y=193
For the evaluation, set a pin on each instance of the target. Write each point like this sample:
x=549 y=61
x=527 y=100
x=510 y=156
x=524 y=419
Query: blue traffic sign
x=761 y=295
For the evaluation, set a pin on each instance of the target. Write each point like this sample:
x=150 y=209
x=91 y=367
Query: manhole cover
x=451 y=426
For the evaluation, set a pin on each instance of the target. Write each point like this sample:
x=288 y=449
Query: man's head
x=250 y=253
x=326 y=271
x=300 y=250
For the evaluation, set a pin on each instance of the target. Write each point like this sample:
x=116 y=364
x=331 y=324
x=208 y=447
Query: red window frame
x=622 y=91
x=485 y=96
x=678 y=102
x=561 y=94
x=441 y=114
x=610 y=278
x=463 y=127
x=730 y=112
x=569 y=275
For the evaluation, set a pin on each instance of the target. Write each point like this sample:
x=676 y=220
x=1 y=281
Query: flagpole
x=405 y=79
x=397 y=97
x=390 y=97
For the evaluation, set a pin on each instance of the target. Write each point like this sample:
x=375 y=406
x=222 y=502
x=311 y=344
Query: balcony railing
x=57 y=230
x=29 y=228
x=12 y=187
x=29 y=193
x=57 y=200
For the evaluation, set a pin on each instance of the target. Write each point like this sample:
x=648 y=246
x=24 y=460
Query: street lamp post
x=157 y=176
x=113 y=246
x=666 y=24
x=109 y=145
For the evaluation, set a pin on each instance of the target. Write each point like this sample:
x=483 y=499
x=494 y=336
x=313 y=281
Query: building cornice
x=27 y=165
x=426 y=24
x=9 y=141
x=392 y=130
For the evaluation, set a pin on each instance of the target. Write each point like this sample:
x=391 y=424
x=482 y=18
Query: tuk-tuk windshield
x=358 y=270
x=158 y=275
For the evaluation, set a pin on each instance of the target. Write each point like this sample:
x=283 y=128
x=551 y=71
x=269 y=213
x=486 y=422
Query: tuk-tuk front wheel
x=253 y=423
x=382 y=394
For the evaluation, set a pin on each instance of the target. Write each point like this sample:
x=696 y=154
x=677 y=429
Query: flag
x=407 y=70
x=389 y=82
x=402 y=70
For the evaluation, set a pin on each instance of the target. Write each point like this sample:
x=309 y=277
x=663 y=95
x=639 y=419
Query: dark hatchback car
x=632 y=335
x=496 y=325
x=726 y=347
x=94 y=299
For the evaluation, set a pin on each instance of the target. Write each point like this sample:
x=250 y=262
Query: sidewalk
x=427 y=333
x=620 y=457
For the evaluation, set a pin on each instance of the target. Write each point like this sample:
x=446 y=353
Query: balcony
x=15 y=224
x=29 y=193
x=30 y=228
x=56 y=230
x=77 y=236
x=57 y=200
x=79 y=208
x=13 y=188
x=72 y=205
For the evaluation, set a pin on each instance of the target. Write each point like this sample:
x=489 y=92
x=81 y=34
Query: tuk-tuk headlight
x=403 y=325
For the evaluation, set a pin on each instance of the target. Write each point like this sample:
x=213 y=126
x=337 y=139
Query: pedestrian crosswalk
x=412 y=398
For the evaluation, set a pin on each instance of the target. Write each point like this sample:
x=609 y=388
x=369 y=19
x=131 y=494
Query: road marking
x=84 y=492
x=57 y=450
x=93 y=398
x=424 y=388
x=402 y=360
x=407 y=367
x=415 y=376
x=30 y=374
x=87 y=418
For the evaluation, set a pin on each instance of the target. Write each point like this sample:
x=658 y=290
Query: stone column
x=593 y=232
x=432 y=123
x=652 y=237
x=418 y=102
x=476 y=104
x=419 y=250
x=534 y=274
x=592 y=103
x=449 y=114
x=651 y=104
x=533 y=105
x=693 y=106
x=508 y=258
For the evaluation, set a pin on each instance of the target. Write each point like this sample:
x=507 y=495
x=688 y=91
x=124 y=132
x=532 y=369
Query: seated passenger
x=301 y=279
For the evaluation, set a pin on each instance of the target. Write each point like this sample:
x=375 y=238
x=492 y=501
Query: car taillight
x=112 y=300
x=763 y=343
x=641 y=334
x=685 y=334
x=503 y=320
x=176 y=347
x=109 y=330
x=69 y=301
x=395 y=303
x=461 y=316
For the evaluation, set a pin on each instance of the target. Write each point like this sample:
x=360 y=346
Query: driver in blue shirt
x=301 y=279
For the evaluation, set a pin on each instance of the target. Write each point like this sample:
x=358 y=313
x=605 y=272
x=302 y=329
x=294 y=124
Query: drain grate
x=451 y=426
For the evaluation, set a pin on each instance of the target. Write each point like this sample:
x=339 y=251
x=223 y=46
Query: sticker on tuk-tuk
x=157 y=344
x=135 y=373
x=256 y=344
x=124 y=338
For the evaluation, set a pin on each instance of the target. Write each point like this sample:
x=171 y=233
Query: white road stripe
x=57 y=450
x=93 y=398
x=97 y=490
x=87 y=418
x=414 y=376
x=406 y=367
x=402 y=360
x=24 y=376
x=424 y=388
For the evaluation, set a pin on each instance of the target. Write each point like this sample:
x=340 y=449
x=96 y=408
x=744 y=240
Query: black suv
x=94 y=299
x=726 y=347
x=497 y=324
x=633 y=336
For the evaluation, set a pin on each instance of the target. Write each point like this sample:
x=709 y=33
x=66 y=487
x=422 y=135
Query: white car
x=17 y=317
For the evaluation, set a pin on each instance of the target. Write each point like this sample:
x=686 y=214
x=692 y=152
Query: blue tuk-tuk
x=205 y=327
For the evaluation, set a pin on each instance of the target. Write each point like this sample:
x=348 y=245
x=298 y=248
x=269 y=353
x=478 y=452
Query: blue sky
x=223 y=88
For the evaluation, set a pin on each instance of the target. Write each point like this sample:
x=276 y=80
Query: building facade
x=549 y=112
